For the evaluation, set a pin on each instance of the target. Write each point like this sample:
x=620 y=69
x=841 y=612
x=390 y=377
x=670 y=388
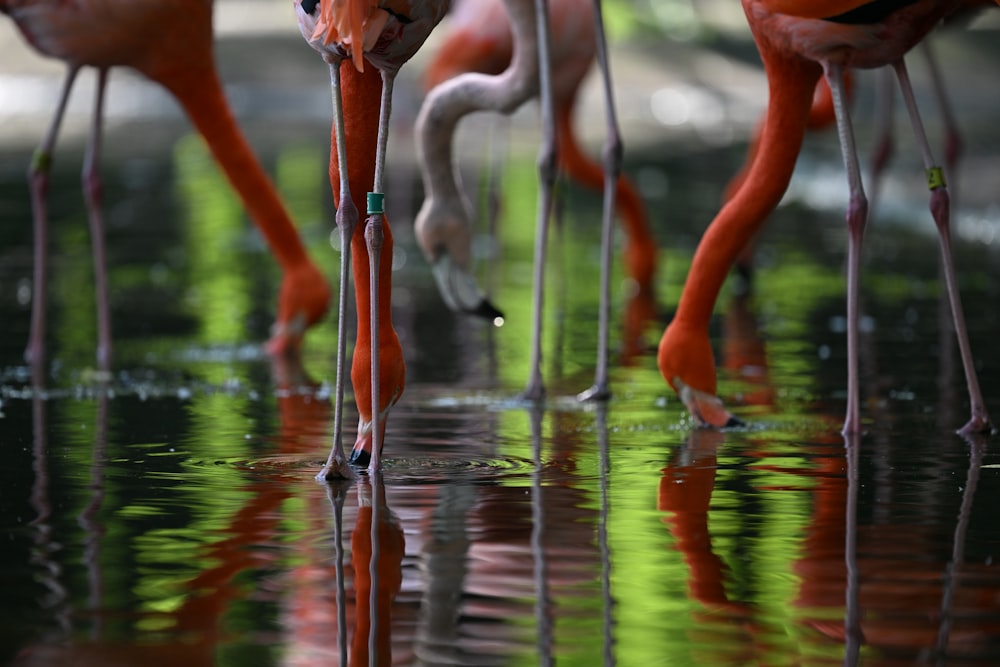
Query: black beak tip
x=360 y=458
x=487 y=311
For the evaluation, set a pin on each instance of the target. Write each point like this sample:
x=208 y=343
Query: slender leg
x=600 y=390
x=884 y=145
x=857 y=217
x=374 y=239
x=38 y=181
x=952 y=140
x=979 y=420
x=547 y=161
x=336 y=498
x=92 y=191
x=347 y=218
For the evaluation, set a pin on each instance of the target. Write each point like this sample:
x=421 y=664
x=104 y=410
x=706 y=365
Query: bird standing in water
x=798 y=41
x=350 y=34
x=170 y=42
x=480 y=39
x=442 y=222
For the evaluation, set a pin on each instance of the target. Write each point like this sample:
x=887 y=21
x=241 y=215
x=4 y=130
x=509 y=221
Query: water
x=168 y=513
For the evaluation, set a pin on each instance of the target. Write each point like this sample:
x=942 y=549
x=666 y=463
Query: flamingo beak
x=461 y=292
x=286 y=337
x=707 y=409
x=361 y=454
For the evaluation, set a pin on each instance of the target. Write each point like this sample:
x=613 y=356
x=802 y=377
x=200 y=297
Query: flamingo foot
x=336 y=469
x=597 y=392
x=978 y=423
x=707 y=409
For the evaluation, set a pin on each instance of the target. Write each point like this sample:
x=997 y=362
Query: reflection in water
x=185 y=525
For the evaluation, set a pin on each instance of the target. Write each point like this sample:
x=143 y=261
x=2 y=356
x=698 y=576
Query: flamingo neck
x=791 y=83
x=449 y=102
x=200 y=93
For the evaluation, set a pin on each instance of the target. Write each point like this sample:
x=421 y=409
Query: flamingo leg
x=952 y=139
x=857 y=217
x=337 y=465
x=38 y=181
x=92 y=191
x=940 y=205
x=374 y=239
x=547 y=168
x=884 y=144
x=612 y=158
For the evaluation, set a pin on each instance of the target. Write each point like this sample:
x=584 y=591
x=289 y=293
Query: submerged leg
x=600 y=390
x=347 y=218
x=940 y=205
x=857 y=217
x=38 y=181
x=547 y=161
x=92 y=190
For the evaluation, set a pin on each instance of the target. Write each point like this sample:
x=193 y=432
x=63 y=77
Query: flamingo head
x=442 y=231
x=687 y=364
x=303 y=301
x=392 y=379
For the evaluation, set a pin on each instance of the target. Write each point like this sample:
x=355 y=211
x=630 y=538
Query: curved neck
x=449 y=102
x=200 y=93
x=791 y=84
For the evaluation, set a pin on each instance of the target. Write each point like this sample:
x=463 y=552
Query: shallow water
x=168 y=513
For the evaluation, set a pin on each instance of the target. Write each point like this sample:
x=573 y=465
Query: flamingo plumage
x=171 y=43
x=480 y=39
x=797 y=45
x=347 y=34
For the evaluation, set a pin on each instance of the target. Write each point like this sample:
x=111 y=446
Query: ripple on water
x=396 y=471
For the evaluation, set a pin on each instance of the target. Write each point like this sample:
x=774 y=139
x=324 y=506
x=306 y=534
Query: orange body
x=361 y=93
x=170 y=42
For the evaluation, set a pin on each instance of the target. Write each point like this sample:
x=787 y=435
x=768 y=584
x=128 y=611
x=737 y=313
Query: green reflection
x=222 y=293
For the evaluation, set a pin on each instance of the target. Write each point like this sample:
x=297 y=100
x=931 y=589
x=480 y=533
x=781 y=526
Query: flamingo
x=170 y=42
x=480 y=40
x=348 y=34
x=797 y=44
x=442 y=223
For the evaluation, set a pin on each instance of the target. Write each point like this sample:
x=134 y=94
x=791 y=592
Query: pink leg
x=979 y=420
x=884 y=145
x=857 y=217
x=600 y=390
x=952 y=139
x=337 y=466
x=92 y=189
x=38 y=181
x=547 y=161
x=374 y=240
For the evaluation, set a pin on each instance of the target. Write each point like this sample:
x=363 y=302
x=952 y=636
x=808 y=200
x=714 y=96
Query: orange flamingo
x=385 y=34
x=797 y=44
x=480 y=39
x=170 y=42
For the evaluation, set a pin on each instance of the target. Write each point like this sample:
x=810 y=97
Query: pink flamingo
x=170 y=42
x=798 y=41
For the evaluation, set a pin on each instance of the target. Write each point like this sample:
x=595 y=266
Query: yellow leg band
x=935 y=178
